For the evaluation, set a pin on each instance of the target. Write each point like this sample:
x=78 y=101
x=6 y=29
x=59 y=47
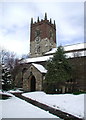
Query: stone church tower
x=42 y=36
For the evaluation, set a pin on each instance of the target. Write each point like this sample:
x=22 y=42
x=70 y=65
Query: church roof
x=40 y=68
x=36 y=59
x=69 y=48
x=75 y=50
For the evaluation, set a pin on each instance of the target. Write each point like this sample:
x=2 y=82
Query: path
x=58 y=113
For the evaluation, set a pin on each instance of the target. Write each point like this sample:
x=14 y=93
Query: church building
x=31 y=73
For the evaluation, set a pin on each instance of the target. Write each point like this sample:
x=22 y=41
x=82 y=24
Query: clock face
x=37 y=32
x=37 y=40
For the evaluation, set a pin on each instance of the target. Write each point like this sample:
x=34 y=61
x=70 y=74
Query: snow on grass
x=17 y=108
x=73 y=104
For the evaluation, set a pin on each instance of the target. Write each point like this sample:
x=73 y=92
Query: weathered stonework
x=42 y=37
x=44 y=44
x=32 y=71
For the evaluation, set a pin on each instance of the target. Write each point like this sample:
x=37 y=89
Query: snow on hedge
x=73 y=104
x=15 y=91
x=10 y=91
x=5 y=93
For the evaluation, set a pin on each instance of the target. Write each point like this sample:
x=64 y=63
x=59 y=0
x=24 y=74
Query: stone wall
x=42 y=37
x=44 y=27
x=27 y=79
x=44 y=44
x=79 y=73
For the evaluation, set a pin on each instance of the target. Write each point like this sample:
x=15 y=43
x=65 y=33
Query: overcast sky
x=15 y=23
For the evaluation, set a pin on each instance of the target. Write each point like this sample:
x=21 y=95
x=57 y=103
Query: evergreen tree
x=8 y=62
x=59 y=70
x=6 y=78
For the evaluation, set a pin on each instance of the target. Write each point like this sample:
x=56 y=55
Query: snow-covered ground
x=73 y=104
x=17 y=108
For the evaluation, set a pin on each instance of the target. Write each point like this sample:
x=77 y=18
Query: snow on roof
x=46 y=58
x=66 y=48
x=75 y=46
x=69 y=48
x=40 y=68
x=75 y=54
x=52 y=51
x=36 y=59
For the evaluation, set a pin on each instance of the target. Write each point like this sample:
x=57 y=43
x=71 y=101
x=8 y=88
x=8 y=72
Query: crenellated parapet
x=45 y=20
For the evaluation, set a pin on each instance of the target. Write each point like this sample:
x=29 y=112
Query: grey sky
x=15 y=22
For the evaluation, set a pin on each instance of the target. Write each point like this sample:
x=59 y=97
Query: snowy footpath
x=17 y=108
x=73 y=104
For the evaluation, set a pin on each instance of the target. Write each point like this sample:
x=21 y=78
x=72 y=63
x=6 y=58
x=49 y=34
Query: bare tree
x=8 y=58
